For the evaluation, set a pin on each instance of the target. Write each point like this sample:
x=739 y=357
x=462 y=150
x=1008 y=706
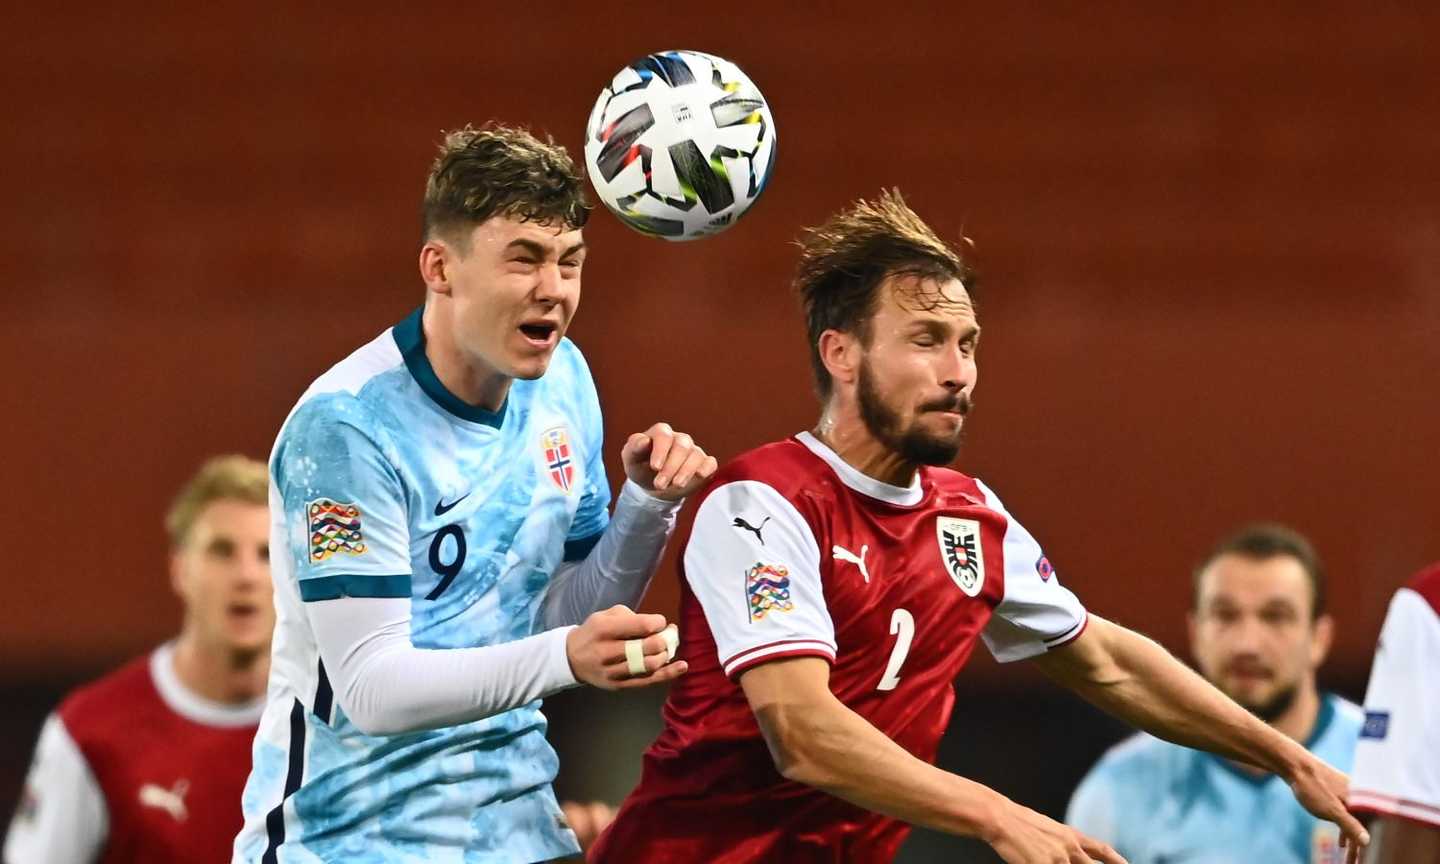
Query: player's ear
x=840 y=352
x=1322 y=637
x=1190 y=627
x=434 y=264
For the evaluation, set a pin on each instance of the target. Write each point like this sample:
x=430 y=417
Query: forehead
x=499 y=231
x=906 y=298
x=227 y=517
x=1251 y=581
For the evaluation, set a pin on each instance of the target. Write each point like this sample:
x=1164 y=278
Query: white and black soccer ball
x=680 y=144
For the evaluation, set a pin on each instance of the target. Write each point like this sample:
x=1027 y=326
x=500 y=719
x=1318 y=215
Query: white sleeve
x=1397 y=760
x=387 y=686
x=758 y=582
x=1037 y=613
x=62 y=817
x=619 y=567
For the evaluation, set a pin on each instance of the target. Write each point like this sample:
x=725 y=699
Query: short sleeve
x=346 y=520
x=593 y=512
x=1397 y=771
x=62 y=816
x=753 y=564
x=1036 y=613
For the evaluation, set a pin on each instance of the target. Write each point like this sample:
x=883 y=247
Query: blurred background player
x=1258 y=631
x=146 y=765
x=836 y=582
x=441 y=515
x=1397 y=763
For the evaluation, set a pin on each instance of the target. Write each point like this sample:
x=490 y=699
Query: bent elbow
x=797 y=761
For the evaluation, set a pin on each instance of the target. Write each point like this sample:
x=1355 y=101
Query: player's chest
x=496 y=503
x=930 y=580
x=177 y=794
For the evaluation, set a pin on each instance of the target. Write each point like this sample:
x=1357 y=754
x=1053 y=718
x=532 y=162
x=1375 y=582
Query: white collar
x=192 y=706
x=904 y=496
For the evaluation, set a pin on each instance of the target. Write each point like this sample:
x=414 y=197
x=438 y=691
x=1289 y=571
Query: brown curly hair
x=498 y=170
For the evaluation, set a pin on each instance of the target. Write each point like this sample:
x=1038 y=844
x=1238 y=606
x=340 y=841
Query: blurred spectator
x=1258 y=631
x=147 y=763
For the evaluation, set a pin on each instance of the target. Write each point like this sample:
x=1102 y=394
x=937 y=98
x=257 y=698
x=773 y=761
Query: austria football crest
x=555 y=444
x=961 y=552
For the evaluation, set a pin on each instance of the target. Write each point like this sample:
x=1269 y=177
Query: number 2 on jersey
x=902 y=627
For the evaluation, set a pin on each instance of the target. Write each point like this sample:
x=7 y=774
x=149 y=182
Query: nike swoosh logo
x=441 y=508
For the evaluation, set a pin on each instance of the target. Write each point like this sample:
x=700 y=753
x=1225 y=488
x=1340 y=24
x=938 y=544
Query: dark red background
x=1210 y=243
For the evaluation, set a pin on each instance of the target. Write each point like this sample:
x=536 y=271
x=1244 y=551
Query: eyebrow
x=541 y=251
x=970 y=333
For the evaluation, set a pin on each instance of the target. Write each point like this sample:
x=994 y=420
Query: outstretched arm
x=816 y=740
x=1135 y=679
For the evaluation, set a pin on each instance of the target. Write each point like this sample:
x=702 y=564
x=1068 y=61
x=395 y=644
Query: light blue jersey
x=1160 y=803
x=383 y=484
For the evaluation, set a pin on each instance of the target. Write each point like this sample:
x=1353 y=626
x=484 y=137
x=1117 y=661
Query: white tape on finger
x=635 y=656
x=672 y=641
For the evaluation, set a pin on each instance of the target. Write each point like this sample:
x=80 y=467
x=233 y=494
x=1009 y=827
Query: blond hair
x=844 y=261
x=222 y=478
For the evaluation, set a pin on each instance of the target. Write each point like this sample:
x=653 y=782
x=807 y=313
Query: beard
x=1274 y=708
x=912 y=443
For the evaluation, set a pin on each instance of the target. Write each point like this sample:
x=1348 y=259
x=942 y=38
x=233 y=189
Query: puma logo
x=170 y=800
x=843 y=554
x=746 y=526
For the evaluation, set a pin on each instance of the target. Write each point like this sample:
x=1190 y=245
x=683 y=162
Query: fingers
x=662 y=437
x=699 y=465
x=668 y=672
x=681 y=447
x=636 y=448
x=618 y=622
x=1098 y=851
x=650 y=646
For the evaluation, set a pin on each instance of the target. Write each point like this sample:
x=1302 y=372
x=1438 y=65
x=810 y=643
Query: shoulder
x=1349 y=717
x=950 y=483
x=92 y=709
x=786 y=466
x=1141 y=758
x=1426 y=583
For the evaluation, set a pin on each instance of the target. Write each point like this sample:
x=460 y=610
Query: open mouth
x=243 y=611
x=541 y=334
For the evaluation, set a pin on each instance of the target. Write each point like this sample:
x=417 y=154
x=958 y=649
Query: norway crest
x=555 y=448
x=961 y=552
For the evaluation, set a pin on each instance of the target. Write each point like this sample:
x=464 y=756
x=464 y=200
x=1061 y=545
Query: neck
x=220 y=674
x=842 y=430
x=1297 y=723
x=470 y=379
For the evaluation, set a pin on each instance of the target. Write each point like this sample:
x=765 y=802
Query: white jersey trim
x=193 y=706
x=69 y=821
x=904 y=496
x=1395 y=770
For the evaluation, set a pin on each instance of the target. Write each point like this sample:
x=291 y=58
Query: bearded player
x=836 y=582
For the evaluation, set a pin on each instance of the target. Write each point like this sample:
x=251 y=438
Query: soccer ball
x=680 y=144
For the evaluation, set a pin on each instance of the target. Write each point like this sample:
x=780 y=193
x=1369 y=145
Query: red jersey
x=133 y=768
x=795 y=553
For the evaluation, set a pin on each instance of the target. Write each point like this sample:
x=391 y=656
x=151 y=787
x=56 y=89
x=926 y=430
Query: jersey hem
x=1389 y=805
x=776 y=651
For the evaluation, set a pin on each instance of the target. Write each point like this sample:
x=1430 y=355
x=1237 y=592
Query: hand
x=667 y=464
x=587 y=820
x=1323 y=791
x=596 y=650
x=1022 y=836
